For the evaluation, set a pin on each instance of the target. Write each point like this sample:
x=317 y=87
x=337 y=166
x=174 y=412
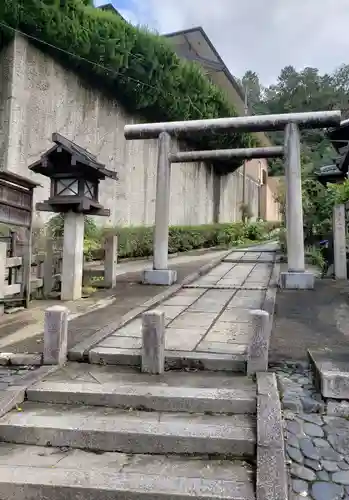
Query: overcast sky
x=261 y=35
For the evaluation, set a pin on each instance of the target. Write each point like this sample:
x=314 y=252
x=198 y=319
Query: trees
x=300 y=91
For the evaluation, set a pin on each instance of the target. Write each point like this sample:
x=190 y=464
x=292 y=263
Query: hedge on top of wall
x=143 y=72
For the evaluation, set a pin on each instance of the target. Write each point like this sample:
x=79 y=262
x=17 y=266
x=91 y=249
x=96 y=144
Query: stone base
x=297 y=280
x=331 y=372
x=165 y=277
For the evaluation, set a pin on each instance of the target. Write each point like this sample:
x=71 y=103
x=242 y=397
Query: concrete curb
x=174 y=360
x=80 y=351
x=14 y=394
x=271 y=465
x=270 y=296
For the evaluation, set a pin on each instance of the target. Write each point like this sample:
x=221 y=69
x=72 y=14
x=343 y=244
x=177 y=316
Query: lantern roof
x=330 y=174
x=66 y=157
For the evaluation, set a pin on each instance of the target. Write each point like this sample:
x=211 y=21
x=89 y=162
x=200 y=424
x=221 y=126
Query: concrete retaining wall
x=39 y=97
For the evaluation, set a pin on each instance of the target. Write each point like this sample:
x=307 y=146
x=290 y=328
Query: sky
x=261 y=35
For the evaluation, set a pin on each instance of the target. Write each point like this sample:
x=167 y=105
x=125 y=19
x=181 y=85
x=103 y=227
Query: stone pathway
x=20 y=332
x=317 y=445
x=211 y=315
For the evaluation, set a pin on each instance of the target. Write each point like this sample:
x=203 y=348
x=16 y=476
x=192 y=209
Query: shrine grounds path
x=22 y=332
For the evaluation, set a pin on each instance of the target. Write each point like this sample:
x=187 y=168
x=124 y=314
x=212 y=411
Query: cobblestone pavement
x=212 y=314
x=317 y=445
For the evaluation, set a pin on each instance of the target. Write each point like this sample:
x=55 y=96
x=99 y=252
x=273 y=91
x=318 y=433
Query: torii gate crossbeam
x=296 y=277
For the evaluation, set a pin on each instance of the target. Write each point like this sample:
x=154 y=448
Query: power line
x=98 y=65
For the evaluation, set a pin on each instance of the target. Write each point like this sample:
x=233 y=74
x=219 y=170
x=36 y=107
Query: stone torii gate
x=296 y=277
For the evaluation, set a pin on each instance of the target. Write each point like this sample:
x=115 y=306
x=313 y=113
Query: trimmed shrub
x=133 y=65
x=136 y=241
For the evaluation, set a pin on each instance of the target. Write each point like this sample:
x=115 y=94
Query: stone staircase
x=106 y=433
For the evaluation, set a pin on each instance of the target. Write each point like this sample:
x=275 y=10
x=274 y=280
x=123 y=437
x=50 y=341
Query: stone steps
x=108 y=433
x=109 y=429
x=155 y=397
x=70 y=474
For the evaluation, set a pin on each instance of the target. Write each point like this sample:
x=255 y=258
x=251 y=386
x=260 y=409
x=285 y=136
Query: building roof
x=194 y=45
x=339 y=136
x=330 y=174
x=110 y=7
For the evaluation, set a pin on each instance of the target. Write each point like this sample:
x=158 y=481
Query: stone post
x=3 y=256
x=296 y=277
x=258 y=350
x=153 y=342
x=339 y=242
x=160 y=274
x=48 y=267
x=73 y=256
x=110 y=261
x=55 y=335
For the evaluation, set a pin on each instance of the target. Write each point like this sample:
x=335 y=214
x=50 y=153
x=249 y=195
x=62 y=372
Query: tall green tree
x=300 y=91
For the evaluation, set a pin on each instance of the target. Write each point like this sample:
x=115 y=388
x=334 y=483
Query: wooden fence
x=45 y=270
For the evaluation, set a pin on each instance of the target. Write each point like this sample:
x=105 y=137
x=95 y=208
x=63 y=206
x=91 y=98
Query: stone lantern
x=75 y=175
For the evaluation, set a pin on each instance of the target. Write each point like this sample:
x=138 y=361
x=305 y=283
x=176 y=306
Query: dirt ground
x=310 y=319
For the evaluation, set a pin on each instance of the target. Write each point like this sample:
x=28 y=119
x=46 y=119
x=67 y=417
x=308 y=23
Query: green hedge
x=138 y=241
x=145 y=75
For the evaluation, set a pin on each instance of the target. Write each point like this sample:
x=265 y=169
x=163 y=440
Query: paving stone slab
x=194 y=319
x=133 y=329
x=171 y=312
x=206 y=306
x=225 y=326
x=186 y=339
x=221 y=296
x=179 y=300
x=236 y=315
x=122 y=342
x=221 y=347
x=228 y=337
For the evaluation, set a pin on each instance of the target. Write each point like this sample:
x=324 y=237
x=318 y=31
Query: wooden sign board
x=15 y=204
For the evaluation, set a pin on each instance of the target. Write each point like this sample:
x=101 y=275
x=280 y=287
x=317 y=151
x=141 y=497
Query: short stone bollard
x=110 y=261
x=258 y=350
x=153 y=342
x=55 y=335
